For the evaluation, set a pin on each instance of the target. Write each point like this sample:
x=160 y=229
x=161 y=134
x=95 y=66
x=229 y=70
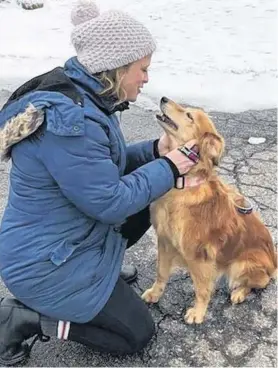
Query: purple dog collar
x=193 y=156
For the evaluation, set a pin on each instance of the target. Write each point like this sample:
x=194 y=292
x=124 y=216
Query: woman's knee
x=142 y=335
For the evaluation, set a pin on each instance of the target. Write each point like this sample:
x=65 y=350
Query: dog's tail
x=274 y=273
x=270 y=262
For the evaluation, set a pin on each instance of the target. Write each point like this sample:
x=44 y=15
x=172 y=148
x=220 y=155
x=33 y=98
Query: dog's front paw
x=150 y=296
x=238 y=295
x=194 y=316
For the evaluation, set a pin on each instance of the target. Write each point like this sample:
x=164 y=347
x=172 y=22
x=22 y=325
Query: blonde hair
x=112 y=81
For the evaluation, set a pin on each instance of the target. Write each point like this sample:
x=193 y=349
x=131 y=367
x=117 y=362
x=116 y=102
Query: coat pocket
x=95 y=239
x=62 y=252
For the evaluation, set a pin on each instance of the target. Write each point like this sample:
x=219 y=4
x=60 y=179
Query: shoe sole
x=18 y=359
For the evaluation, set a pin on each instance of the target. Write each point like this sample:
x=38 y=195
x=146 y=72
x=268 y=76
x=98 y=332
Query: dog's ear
x=211 y=147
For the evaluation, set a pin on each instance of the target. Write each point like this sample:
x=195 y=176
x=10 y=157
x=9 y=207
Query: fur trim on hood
x=18 y=128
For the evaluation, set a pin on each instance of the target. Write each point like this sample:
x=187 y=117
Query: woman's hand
x=163 y=145
x=182 y=163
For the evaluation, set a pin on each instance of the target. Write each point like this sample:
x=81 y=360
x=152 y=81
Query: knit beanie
x=108 y=40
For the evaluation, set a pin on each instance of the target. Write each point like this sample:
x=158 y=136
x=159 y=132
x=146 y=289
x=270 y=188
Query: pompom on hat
x=108 y=40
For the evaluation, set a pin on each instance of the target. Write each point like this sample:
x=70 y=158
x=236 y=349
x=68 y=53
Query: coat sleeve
x=84 y=171
x=139 y=154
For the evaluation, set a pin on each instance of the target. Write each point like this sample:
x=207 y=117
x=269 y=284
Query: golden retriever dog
x=207 y=228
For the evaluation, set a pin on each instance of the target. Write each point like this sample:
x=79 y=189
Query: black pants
x=124 y=325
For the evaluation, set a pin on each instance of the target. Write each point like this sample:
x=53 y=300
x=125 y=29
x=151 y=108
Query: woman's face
x=135 y=77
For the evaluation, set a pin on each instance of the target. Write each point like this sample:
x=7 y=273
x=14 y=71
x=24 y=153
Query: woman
x=78 y=196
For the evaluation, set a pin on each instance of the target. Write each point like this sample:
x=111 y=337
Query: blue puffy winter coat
x=72 y=185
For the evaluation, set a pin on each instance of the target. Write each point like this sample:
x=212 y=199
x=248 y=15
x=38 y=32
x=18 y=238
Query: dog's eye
x=189 y=115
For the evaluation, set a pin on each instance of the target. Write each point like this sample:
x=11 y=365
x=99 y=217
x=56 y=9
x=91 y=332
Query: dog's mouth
x=166 y=120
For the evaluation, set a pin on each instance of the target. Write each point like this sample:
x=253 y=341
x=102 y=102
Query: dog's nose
x=164 y=99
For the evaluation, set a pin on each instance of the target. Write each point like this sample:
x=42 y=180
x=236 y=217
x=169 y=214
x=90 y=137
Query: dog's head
x=184 y=124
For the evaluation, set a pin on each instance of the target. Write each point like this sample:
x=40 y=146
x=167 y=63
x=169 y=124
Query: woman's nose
x=146 y=78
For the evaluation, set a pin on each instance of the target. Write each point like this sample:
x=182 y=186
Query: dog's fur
x=200 y=228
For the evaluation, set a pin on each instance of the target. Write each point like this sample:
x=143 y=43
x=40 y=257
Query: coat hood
x=61 y=88
x=18 y=128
